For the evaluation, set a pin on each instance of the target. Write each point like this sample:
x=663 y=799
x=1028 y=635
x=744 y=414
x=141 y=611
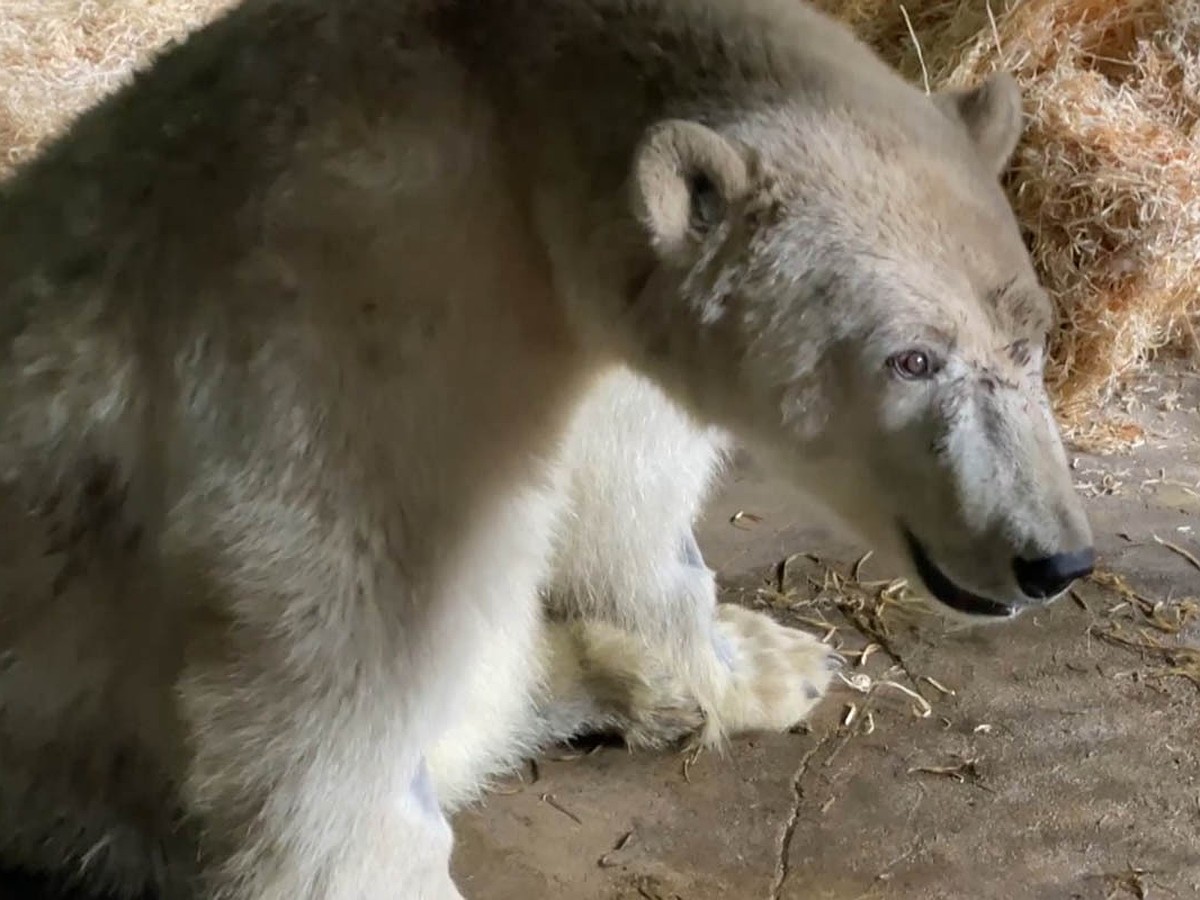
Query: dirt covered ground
x=1057 y=757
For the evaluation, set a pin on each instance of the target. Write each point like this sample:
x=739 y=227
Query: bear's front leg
x=307 y=772
x=645 y=642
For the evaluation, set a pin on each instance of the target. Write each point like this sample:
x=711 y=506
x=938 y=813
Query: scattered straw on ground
x=962 y=770
x=805 y=587
x=1152 y=628
x=1105 y=181
x=1131 y=882
x=869 y=605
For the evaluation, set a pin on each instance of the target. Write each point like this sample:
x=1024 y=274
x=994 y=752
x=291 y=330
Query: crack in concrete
x=782 y=861
x=782 y=864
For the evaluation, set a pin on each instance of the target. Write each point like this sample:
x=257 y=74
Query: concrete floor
x=1054 y=764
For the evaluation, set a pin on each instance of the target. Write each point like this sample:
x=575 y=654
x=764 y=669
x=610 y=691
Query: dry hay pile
x=58 y=57
x=1105 y=181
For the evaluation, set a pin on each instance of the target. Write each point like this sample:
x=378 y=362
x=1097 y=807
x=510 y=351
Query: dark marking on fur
x=56 y=540
x=71 y=569
x=1019 y=352
x=122 y=764
x=431 y=327
x=361 y=543
x=997 y=296
x=93 y=528
x=955 y=396
x=822 y=290
x=100 y=500
x=48 y=505
x=764 y=208
x=1022 y=308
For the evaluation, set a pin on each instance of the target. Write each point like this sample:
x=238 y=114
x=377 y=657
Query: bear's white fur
x=337 y=464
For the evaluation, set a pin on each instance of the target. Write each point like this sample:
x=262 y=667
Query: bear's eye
x=912 y=364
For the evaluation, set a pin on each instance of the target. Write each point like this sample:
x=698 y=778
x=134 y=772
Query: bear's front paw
x=776 y=674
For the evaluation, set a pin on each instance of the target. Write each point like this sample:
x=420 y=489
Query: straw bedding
x=1105 y=182
x=57 y=57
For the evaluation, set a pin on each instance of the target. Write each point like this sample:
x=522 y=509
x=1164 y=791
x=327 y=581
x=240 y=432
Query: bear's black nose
x=1051 y=575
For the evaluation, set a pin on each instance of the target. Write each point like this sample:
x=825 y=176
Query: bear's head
x=842 y=283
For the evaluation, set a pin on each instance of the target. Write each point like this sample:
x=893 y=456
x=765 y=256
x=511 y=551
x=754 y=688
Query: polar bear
x=364 y=366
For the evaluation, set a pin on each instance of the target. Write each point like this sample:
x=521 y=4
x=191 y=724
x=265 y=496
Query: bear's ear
x=685 y=177
x=991 y=113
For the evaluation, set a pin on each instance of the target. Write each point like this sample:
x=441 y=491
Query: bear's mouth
x=946 y=591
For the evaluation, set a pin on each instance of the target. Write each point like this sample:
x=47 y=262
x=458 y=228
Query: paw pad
x=776 y=674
